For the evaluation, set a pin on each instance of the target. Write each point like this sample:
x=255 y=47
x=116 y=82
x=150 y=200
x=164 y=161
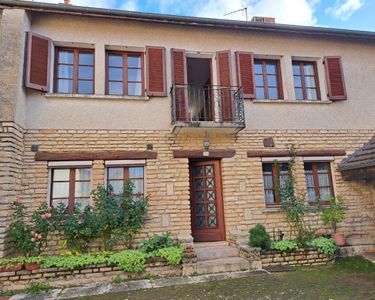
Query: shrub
x=324 y=245
x=335 y=213
x=284 y=245
x=74 y=262
x=157 y=242
x=37 y=287
x=172 y=254
x=259 y=237
x=132 y=261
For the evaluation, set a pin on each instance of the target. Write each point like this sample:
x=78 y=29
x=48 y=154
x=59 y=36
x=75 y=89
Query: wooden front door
x=207 y=214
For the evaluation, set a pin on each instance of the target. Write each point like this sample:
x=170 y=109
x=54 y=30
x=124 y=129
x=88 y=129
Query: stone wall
x=301 y=257
x=62 y=277
x=167 y=179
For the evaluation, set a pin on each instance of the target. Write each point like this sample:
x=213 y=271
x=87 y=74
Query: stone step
x=210 y=244
x=220 y=265
x=209 y=253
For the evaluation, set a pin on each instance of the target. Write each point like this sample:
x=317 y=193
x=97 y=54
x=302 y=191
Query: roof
x=362 y=158
x=190 y=21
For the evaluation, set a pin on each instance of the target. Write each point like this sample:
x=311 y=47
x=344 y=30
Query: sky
x=349 y=14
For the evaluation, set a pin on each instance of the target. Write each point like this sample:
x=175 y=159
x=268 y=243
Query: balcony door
x=207 y=213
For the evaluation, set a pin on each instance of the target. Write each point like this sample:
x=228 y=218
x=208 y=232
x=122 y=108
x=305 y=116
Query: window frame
x=265 y=80
x=72 y=181
x=275 y=181
x=314 y=169
x=301 y=64
x=76 y=65
x=125 y=81
x=126 y=175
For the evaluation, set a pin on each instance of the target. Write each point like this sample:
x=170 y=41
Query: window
x=74 y=71
x=267 y=79
x=118 y=176
x=318 y=181
x=125 y=73
x=306 y=85
x=70 y=186
x=274 y=177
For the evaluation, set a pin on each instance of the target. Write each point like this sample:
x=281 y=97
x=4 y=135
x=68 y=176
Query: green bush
x=132 y=261
x=324 y=245
x=259 y=237
x=284 y=245
x=73 y=262
x=172 y=254
x=335 y=213
x=157 y=242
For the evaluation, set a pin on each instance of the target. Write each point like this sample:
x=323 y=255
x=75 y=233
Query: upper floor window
x=306 y=85
x=267 y=79
x=125 y=73
x=275 y=176
x=119 y=175
x=70 y=186
x=74 y=71
x=318 y=181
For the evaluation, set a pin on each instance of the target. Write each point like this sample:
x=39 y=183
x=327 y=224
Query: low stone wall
x=101 y=273
x=252 y=254
x=300 y=257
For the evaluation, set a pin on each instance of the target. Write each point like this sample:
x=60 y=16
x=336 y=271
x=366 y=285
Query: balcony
x=218 y=109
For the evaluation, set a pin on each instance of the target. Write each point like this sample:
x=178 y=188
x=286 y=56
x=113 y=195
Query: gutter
x=189 y=21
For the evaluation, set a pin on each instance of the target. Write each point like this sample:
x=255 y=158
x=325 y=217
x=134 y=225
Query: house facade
x=193 y=111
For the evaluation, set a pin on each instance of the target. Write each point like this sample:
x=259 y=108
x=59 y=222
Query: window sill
x=293 y=101
x=96 y=97
x=272 y=208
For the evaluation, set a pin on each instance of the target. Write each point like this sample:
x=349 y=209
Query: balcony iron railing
x=210 y=103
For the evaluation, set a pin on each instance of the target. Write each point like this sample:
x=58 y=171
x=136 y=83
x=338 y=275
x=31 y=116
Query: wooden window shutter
x=37 y=75
x=245 y=73
x=155 y=61
x=179 y=79
x=224 y=74
x=335 y=78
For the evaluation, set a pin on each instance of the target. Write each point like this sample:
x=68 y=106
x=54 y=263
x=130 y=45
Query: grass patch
x=37 y=288
x=356 y=264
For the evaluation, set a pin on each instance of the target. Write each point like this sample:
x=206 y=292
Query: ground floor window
x=274 y=177
x=118 y=175
x=70 y=186
x=318 y=181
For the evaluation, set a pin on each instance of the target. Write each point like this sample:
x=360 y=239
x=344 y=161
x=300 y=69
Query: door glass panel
x=212 y=221
x=198 y=171
x=198 y=183
x=210 y=195
x=200 y=222
x=211 y=208
x=210 y=183
x=199 y=209
x=209 y=170
x=199 y=196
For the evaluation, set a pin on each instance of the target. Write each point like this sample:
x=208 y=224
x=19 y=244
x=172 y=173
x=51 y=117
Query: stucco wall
x=358 y=63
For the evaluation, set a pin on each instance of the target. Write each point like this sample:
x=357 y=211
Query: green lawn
x=352 y=278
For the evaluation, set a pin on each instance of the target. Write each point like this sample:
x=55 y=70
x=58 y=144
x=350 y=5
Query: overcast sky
x=351 y=14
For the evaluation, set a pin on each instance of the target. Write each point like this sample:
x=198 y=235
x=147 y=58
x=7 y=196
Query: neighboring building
x=194 y=111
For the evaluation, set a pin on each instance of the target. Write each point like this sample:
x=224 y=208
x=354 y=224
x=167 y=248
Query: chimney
x=66 y=2
x=263 y=19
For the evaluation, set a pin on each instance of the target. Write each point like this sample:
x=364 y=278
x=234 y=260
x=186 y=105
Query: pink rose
x=43 y=216
x=32 y=232
x=33 y=239
x=48 y=215
x=39 y=236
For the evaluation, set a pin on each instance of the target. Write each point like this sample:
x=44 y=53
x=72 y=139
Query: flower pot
x=11 y=268
x=339 y=239
x=32 y=266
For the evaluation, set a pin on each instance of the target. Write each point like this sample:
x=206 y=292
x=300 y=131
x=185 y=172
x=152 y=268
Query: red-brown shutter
x=335 y=78
x=38 y=62
x=224 y=74
x=245 y=73
x=179 y=79
x=155 y=61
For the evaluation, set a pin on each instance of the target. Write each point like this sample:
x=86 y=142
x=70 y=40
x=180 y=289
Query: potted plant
x=32 y=263
x=11 y=264
x=333 y=214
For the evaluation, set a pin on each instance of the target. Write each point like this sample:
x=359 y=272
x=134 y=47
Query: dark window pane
x=267 y=167
x=308 y=166
x=310 y=81
x=134 y=75
x=85 y=87
x=258 y=69
x=85 y=58
x=65 y=86
x=271 y=68
x=297 y=81
x=260 y=93
x=296 y=70
x=308 y=69
x=65 y=57
x=115 y=88
x=85 y=72
x=322 y=167
x=299 y=93
x=115 y=74
x=273 y=93
x=311 y=94
x=284 y=167
x=65 y=71
x=135 y=89
x=259 y=80
x=115 y=60
x=272 y=81
x=134 y=62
